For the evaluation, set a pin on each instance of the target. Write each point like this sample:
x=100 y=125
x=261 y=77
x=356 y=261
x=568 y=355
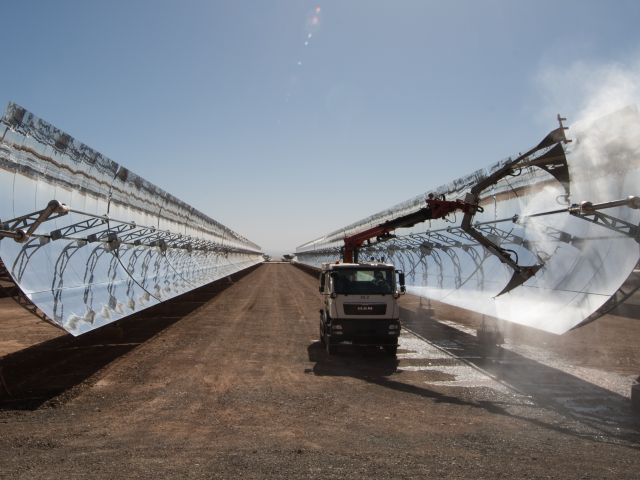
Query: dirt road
x=238 y=386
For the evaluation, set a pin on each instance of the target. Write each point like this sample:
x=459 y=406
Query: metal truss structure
x=106 y=243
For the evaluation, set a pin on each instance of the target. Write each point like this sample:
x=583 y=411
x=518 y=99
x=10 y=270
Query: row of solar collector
x=92 y=184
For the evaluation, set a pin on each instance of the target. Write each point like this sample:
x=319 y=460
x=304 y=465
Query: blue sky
x=287 y=119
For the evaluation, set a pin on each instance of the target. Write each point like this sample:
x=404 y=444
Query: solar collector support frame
x=122 y=244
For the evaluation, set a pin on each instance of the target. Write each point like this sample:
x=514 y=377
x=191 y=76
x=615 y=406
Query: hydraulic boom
x=436 y=208
x=548 y=155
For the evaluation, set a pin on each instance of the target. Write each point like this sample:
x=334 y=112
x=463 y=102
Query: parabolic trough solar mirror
x=89 y=242
x=551 y=238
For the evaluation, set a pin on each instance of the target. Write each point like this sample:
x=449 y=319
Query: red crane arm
x=436 y=208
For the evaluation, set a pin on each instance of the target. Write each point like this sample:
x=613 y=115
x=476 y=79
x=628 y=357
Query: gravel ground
x=231 y=382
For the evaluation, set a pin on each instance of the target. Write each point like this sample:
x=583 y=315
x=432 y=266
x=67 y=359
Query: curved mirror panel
x=89 y=242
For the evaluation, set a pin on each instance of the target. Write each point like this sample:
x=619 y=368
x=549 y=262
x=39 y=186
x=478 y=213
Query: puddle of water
x=420 y=356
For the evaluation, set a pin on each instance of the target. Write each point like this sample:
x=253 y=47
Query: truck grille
x=365 y=308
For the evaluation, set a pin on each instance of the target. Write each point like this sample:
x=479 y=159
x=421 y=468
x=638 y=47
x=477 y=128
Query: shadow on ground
x=374 y=366
x=548 y=387
x=352 y=361
x=41 y=374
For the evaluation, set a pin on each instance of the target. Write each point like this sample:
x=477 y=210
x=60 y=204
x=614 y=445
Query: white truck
x=360 y=305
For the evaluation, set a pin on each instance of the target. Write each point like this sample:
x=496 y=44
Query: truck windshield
x=362 y=281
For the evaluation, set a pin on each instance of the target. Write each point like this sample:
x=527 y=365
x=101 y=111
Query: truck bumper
x=364 y=341
x=361 y=331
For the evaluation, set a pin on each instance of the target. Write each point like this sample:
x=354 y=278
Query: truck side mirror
x=400 y=273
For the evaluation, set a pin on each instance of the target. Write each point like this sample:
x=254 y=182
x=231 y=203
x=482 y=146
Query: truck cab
x=360 y=305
